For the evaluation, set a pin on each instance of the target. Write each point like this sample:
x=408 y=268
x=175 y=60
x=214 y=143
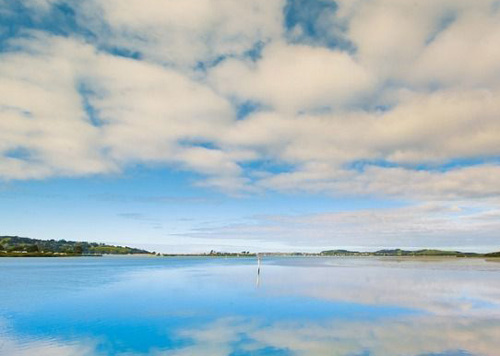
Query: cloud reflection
x=448 y=287
x=303 y=307
x=428 y=335
x=12 y=345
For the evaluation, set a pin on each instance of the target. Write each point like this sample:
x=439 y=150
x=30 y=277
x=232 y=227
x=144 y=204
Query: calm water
x=300 y=306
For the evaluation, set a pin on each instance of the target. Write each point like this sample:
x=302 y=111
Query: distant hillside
x=493 y=254
x=14 y=245
x=426 y=252
x=344 y=253
x=399 y=252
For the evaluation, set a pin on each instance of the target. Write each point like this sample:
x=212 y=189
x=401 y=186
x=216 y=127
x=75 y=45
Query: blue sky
x=264 y=125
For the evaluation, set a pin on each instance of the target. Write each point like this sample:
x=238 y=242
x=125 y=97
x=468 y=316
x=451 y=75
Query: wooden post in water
x=258 y=264
x=258 y=269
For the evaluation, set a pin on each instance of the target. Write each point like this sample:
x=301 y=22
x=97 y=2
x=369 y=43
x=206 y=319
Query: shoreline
x=281 y=255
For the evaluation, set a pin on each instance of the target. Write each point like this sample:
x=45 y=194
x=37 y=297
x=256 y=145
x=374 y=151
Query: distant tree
x=32 y=248
x=78 y=249
x=2 y=248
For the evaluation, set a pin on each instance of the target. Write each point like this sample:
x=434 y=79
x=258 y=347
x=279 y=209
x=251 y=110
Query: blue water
x=214 y=306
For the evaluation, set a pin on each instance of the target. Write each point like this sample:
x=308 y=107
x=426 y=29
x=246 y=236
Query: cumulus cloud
x=465 y=54
x=402 y=99
x=70 y=110
x=42 y=115
x=294 y=77
x=181 y=34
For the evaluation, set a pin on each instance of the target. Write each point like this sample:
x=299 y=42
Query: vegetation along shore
x=14 y=246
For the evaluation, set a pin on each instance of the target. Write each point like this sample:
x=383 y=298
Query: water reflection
x=406 y=336
x=348 y=307
x=259 y=259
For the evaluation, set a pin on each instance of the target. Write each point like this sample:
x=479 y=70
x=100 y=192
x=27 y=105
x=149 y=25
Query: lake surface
x=214 y=306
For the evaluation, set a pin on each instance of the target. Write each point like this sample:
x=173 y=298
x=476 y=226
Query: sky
x=263 y=125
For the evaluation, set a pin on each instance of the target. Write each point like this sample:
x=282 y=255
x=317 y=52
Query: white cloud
x=465 y=54
x=144 y=112
x=181 y=33
x=419 y=87
x=444 y=41
x=424 y=129
x=294 y=77
x=42 y=113
x=460 y=225
x=462 y=183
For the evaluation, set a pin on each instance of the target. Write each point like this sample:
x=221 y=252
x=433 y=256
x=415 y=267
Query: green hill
x=24 y=246
x=399 y=252
x=425 y=252
x=493 y=254
x=341 y=253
